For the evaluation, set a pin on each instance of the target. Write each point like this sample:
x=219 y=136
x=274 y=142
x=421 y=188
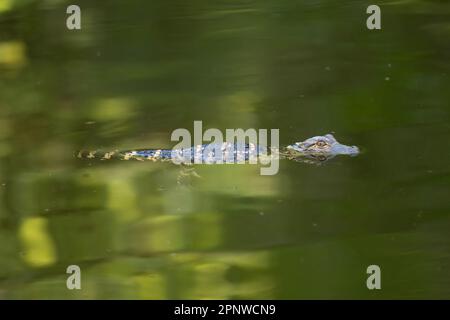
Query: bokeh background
x=140 y=69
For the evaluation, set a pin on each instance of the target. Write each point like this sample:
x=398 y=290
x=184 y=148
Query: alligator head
x=319 y=149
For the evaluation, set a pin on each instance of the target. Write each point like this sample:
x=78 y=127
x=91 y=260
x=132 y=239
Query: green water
x=140 y=69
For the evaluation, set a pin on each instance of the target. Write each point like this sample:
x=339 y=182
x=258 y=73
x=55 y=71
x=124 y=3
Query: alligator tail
x=102 y=155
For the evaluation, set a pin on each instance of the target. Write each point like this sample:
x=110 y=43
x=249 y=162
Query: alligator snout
x=345 y=150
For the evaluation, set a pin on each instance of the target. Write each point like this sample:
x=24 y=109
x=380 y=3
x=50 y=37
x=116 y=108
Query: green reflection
x=139 y=70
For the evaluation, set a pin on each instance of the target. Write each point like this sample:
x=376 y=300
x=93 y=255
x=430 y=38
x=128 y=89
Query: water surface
x=138 y=70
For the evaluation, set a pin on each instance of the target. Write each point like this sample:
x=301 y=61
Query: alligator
x=315 y=150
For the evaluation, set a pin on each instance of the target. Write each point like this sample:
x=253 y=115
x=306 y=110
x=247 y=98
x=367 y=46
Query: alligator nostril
x=355 y=149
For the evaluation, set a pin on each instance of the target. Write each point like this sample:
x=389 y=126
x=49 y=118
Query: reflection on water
x=137 y=71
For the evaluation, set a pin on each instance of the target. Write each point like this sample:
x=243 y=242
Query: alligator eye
x=321 y=144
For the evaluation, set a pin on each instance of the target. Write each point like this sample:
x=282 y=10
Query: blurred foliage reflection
x=138 y=70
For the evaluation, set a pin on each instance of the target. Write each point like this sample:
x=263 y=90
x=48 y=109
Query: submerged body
x=313 y=150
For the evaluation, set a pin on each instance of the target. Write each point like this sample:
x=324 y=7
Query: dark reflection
x=138 y=70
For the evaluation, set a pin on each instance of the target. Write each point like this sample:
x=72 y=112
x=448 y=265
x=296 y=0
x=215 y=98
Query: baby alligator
x=313 y=150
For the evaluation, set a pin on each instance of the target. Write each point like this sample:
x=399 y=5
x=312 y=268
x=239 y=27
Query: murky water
x=137 y=71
